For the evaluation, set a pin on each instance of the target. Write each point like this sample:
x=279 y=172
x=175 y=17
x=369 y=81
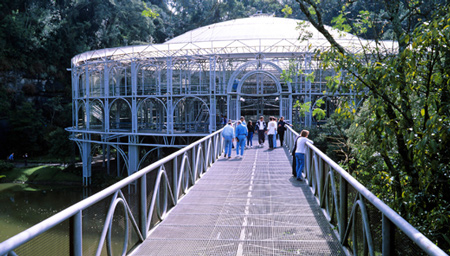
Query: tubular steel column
x=106 y=106
x=133 y=154
x=86 y=158
x=169 y=97
x=212 y=93
x=308 y=115
x=134 y=123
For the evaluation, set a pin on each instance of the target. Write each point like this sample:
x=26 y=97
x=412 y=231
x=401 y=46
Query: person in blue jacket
x=228 y=136
x=241 y=136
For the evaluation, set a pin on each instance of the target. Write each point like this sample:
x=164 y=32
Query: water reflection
x=24 y=205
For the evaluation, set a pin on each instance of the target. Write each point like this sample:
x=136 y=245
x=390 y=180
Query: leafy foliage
x=400 y=135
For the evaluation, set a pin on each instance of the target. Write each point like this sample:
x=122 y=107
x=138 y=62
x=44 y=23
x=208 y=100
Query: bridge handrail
x=311 y=156
x=214 y=146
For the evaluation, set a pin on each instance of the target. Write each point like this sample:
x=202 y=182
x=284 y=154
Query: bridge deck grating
x=248 y=206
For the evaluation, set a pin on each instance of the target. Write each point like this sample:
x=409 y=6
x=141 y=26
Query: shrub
x=5 y=166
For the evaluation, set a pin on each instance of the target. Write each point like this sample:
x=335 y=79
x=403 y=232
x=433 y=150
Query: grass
x=40 y=174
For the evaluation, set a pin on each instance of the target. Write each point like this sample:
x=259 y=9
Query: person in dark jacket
x=281 y=129
x=251 y=130
x=261 y=127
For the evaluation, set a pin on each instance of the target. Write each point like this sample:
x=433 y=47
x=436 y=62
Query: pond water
x=23 y=205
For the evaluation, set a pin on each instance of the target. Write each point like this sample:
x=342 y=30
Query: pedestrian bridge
x=195 y=202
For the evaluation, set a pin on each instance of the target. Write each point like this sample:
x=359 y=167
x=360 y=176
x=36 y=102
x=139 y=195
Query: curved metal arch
x=317 y=100
x=249 y=63
x=264 y=72
x=208 y=157
x=119 y=98
x=161 y=174
x=366 y=227
x=145 y=156
x=103 y=108
x=195 y=97
x=140 y=65
x=95 y=99
x=79 y=106
x=325 y=200
x=117 y=65
x=122 y=153
x=185 y=163
x=185 y=97
x=79 y=146
x=117 y=199
x=198 y=160
x=94 y=147
x=113 y=68
x=151 y=97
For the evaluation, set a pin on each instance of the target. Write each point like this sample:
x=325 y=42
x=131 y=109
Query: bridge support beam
x=133 y=156
x=388 y=237
x=87 y=159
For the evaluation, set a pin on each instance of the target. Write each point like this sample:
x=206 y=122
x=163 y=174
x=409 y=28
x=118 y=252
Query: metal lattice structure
x=141 y=98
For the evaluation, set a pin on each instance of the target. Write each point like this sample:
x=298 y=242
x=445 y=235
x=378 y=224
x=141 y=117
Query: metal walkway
x=247 y=206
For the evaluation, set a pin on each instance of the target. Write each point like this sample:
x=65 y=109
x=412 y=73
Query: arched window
x=191 y=114
x=148 y=79
x=120 y=116
x=96 y=118
x=152 y=116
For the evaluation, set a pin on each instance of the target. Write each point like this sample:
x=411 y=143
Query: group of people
x=25 y=158
x=243 y=134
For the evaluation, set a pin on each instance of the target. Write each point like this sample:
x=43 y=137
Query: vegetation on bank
x=56 y=175
x=40 y=174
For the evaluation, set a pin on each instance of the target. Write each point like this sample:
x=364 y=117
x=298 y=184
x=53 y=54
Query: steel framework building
x=141 y=98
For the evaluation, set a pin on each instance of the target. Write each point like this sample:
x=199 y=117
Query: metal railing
x=365 y=225
x=157 y=188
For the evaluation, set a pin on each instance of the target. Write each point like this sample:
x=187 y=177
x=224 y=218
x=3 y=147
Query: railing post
x=194 y=159
x=175 y=179
x=343 y=208
x=143 y=205
x=76 y=240
x=388 y=236
x=321 y=178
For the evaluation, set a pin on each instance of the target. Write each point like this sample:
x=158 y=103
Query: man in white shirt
x=261 y=128
x=300 y=151
x=271 y=129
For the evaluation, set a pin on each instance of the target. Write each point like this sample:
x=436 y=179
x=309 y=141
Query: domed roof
x=256 y=28
x=254 y=35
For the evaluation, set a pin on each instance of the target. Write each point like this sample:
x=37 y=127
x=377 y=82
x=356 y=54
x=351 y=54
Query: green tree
x=402 y=132
x=26 y=129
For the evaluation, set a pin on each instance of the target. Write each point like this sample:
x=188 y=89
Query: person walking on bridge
x=228 y=136
x=250 y=130
x=271 y=131
x=261 y=127
x=241 y=136
x=281 y=129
